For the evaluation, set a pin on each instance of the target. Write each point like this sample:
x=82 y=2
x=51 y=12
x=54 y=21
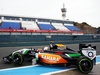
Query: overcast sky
x=77 y=10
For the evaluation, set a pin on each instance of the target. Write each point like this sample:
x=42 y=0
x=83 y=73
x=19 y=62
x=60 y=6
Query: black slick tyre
x=17 y=58
x=84 y=64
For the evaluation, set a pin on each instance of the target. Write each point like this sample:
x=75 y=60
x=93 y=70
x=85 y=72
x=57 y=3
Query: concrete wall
x=37 y=40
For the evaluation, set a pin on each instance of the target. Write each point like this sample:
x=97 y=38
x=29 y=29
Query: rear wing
x=88 y=51
x=83 y=46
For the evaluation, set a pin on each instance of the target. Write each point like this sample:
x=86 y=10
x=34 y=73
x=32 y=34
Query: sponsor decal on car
x=51 y=58
x=90 y=54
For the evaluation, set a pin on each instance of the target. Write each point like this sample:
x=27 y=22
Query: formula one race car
x=60 y=54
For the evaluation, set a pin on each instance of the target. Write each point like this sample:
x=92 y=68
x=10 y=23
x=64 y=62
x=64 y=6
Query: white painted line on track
x=98 y=63
x=58 y=71
x=18 y=68
x=98 y=56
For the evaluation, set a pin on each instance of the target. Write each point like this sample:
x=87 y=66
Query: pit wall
x=40 y=40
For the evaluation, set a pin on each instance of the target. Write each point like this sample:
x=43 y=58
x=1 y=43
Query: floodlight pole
x=63 y=10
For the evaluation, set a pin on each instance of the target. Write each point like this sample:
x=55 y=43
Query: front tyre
x=17 y=58
x=84 y=64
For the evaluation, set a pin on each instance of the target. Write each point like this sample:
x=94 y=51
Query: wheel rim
x=85 y=65
x=17 y=59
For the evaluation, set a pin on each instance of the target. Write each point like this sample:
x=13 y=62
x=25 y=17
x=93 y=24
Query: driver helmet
x=46 y=48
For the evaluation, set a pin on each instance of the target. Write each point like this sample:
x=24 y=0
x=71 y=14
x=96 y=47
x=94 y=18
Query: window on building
x=28 y=19
x=10 y=18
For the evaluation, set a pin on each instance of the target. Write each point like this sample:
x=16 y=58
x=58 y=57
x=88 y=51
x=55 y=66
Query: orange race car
x=58 y=54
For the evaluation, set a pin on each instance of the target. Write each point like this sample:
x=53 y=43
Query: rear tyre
x=84 y=64
x=17 y=58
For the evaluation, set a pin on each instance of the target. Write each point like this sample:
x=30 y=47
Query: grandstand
x=60 y=26
x=36 y=25
x=71 y=27
x=32 y=31
x=29 y=25
x=45 y=26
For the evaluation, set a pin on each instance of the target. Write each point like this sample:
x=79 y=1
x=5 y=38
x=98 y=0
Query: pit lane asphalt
x=4 y=51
